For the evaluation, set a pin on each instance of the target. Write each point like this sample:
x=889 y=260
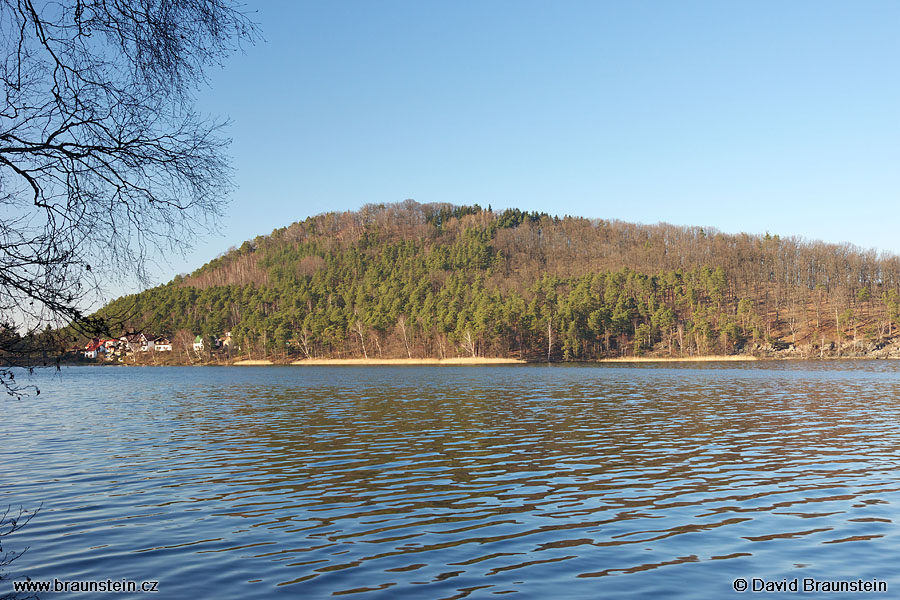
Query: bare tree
x=468 y=343
x=103 y=160
x=401 y=325
x=359 y=330
x=304 y=340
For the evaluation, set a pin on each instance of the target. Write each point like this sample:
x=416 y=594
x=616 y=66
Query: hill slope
x=414 y=280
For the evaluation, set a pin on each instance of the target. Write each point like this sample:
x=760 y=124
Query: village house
x=113 y=348
x=131 y=342
x=141 y=342
x=147 y=343
x=94 y=348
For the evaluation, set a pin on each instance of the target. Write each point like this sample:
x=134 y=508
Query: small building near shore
x=147 y=343
x=94 y=348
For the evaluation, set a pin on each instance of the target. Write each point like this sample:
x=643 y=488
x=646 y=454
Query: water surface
x=453 y=482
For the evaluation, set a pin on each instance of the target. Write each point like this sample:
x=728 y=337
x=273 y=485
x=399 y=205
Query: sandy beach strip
x=329 y=362
x=649 y=359
x=312 y=362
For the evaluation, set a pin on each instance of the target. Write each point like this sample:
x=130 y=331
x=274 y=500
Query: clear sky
x=743 y=116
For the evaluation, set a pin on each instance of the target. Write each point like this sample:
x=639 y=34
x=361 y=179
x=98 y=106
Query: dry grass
x=643 y=359
x=407 y=361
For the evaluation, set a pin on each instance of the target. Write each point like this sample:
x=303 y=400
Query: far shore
x=462 y=361
x=713 y=358
x=312 y=362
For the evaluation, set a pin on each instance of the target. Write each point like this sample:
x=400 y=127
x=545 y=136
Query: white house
x=94 y=349
x=146 y=343
x=131 y=342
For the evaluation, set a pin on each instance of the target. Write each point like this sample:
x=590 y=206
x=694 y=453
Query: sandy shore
x=407 y=361
x=328 y=362
x=644 y=359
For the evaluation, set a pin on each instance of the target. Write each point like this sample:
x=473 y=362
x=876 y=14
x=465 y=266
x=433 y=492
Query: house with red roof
x=94 y=348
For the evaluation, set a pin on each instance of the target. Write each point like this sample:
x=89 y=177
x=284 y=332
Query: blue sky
x=752 y=116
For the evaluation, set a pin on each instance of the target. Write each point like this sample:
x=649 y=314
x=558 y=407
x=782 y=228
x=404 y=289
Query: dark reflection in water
x=448 y=482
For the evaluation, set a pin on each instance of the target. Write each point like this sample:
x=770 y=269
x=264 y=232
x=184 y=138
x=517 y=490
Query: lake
x=534 y=481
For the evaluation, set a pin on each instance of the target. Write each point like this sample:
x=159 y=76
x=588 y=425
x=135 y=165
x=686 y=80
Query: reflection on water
x=452 y=482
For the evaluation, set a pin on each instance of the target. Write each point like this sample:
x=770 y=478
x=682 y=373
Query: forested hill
x=435 y=280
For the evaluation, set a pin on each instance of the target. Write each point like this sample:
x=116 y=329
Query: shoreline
x=709 y=358
x=485 y=361
x=312 y=362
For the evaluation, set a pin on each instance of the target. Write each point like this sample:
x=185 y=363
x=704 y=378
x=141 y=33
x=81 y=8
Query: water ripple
x=457 y=483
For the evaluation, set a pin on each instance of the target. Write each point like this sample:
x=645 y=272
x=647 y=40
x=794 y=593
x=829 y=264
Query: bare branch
x=103 y=161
